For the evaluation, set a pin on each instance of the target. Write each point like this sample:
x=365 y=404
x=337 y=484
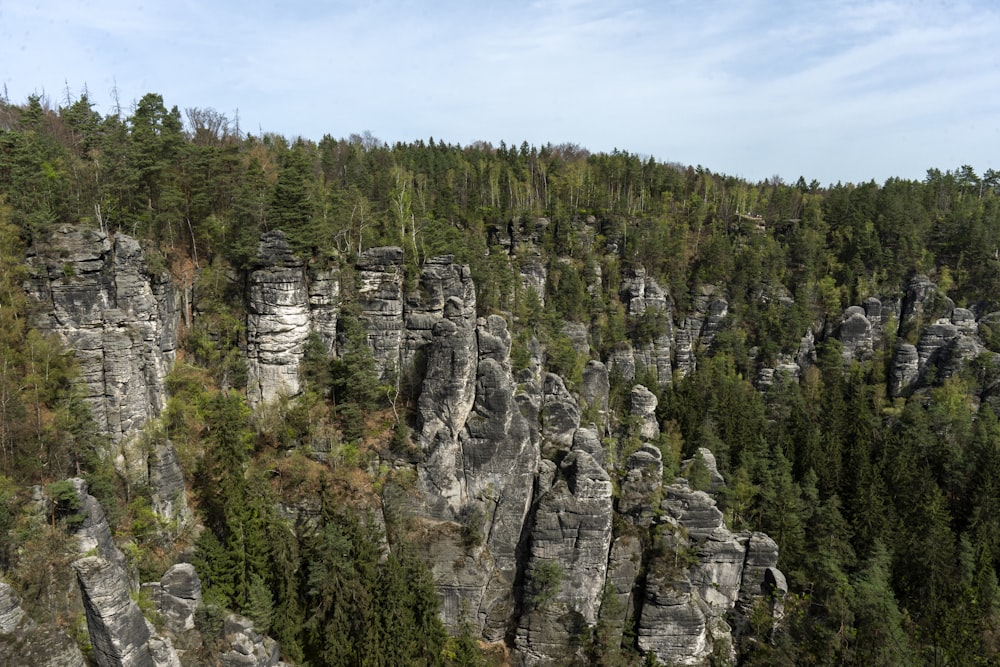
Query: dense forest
x=884 y=505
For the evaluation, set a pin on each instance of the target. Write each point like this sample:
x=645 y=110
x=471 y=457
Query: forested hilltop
x=468 y=405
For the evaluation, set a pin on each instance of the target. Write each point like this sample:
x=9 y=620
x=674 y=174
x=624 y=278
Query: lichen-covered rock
x=324 y=304
x=441 y=280
x=560 y=415
x=621 y=360
x=533 y=274
x=446 y=399
x=703 y=575
x=177 y=597
x=93 y=532
x=595 y=389
x=117 y=628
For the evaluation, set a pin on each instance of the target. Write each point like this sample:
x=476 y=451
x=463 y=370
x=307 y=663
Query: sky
x=836 y=91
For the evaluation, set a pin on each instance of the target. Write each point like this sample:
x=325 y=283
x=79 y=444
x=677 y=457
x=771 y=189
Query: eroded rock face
x=479 y=471
x=380 y=297
x=24 y=642
x=570 y=541
x=277 y=321
x=856 y=335
x=119 y=317
x=645 y=298
x=118 y=630
x=166 y=482
x=643 y=407
x=93 y=532
x=177 y=597
x=905 y=369
x=249 y=648
x=682 y=618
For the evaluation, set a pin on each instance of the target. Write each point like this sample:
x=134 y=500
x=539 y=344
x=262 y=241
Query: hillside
x=485 y=405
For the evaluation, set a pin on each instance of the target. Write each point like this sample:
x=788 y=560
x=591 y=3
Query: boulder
x=117 y=628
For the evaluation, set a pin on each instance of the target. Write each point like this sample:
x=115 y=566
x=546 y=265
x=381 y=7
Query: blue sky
x=836 y=91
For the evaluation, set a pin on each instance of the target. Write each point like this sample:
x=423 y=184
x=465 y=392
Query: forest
x=884 y=505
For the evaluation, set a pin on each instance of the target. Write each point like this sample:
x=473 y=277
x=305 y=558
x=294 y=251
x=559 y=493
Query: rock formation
x=24 y=642
x=120 y=318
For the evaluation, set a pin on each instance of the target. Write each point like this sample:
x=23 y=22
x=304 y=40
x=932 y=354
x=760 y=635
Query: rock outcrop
x=570 y=541
x=120 y=318
x=380 y=298
x=24 y=642
x=118 y=630
x=277 y=321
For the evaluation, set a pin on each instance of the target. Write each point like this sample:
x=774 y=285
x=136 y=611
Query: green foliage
x=544 y=583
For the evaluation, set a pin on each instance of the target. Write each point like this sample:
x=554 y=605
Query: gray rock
x=380 y=297
x=571 y=534
x=595 y=389
x=166 y=483
x=643 y=407
x=11 y=614
x=248 y=648
x=120 y=319
x=905 y=370
x=855 y=334
x=441 y=281
x=118 y=631
x=560 y=415
x=533 y=274
x=93 y=533
x=177 y=597
x=641 y=485
x=965 y=320
x=324 y=304
x=621 y=360
x=446 y=400
x=277 y=321
x=23 y=642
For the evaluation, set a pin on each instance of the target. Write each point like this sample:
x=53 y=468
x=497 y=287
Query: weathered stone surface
x=23 y=642
x=560 y=415
x=621 y=360
x=380 y=297
x=277 y=321
x=643 y=407
x=446 y=400
x=572 y=533
x=177 y=597
x=118 y=631
x=441 y=280
x=641 y=485
x=855 y=334
x=921 y=302
x=166 y=483
x=93 y=533
x=596 y=389
x=533 y=274
x=118 y=317
x=905 y=369
x=965 y=320
x=644 y=298
x=682 y=617
x=934 y=343
x=324 y=304
x=249 y=648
